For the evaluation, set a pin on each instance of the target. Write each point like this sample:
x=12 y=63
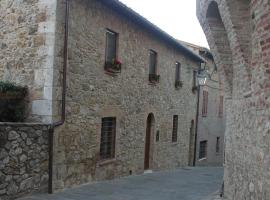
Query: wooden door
x=148 y=142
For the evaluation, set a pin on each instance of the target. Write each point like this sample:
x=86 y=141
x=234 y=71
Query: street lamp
x=202 y=77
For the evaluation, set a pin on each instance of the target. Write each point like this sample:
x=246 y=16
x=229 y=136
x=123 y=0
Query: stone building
x=116 y=93
x=211 y=116
x=239 y=37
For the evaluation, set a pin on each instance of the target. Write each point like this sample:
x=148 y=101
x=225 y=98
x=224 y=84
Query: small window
x=112 y=64
x=175 y=128
x=107 y=143
x=177 y=71
x=194 y=81
x=203 y=149
x=178 y=82
x=218 y=145
x=220 y=110
x=111 y=46
x=205 y=104
x=153 y=77
x=153 y=62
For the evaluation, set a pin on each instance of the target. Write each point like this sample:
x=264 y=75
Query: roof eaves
x=137 y=18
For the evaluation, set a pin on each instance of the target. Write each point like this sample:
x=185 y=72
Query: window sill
x=202 y=159
x=106 y=162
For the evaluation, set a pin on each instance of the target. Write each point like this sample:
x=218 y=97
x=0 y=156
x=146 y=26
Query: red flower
x=117 y=62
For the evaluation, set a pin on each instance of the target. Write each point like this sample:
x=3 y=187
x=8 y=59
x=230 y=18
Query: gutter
x=63 y=105
x=130 y=14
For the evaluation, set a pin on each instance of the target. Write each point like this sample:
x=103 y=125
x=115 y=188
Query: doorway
x=150 y=125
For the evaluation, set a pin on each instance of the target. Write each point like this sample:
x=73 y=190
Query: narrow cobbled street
x=182 y=184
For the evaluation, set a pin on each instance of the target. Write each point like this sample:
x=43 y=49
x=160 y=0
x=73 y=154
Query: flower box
x=113 y=67
x=154 y=78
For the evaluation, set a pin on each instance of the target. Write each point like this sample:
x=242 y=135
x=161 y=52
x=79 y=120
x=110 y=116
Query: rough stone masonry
x=32 y=51
x=23 y=160
x=238 y=32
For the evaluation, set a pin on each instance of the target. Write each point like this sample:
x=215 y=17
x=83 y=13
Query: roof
x=198 y=49
x=141 y=21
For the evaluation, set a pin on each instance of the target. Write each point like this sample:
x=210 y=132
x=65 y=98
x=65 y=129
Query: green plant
x=12 y=102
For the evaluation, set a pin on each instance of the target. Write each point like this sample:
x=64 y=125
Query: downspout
x=63 y=109
x=197 y=119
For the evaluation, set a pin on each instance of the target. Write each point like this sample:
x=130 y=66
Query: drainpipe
x=196 y=127
x=63 y=109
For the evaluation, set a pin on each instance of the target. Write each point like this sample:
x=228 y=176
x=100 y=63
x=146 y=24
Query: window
x=220 y=110
x=194 y=78
x=107 y=143
x=218 y=145
x=205 y=104
x=178 y=75
x=112 y=64
x=203 y=149
x=111 y=46
x=153 y=77
x=175 y=128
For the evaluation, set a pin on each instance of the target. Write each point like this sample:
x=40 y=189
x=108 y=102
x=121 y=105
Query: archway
x=150 y=126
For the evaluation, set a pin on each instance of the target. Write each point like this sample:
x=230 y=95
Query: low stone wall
x=23 y=160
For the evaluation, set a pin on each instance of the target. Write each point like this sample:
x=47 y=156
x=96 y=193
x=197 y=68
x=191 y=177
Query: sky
x=176 y=17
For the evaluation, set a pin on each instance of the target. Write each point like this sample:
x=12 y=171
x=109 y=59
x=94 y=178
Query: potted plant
x=114 y=66
x=12 y=102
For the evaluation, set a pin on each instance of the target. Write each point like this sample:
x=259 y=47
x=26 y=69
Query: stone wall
x=27 y=37
x=128 y=96
x=238 y=34
x=23 y=160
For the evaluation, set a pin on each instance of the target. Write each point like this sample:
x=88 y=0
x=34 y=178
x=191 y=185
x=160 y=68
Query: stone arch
x=220 y=45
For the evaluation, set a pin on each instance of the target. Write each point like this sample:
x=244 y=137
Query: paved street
x=182 y=184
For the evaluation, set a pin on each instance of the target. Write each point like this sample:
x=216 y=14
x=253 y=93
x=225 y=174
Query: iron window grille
x=203 y=149
x=108 y=133
x=175 y=128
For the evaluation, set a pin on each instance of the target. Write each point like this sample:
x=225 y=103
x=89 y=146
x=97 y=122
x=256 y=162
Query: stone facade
x=27 y=37
x=238 y=34
x=23 y=159
x=92 y=94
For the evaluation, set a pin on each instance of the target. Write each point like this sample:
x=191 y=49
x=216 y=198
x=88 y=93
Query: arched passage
x=150 y=128
x=221 y=45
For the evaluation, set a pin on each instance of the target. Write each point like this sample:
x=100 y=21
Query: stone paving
x=182 y=184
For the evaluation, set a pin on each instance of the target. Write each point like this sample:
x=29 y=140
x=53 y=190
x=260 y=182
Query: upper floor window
x=203 y=149
x=153 y=77
x=112 y=64
x=107 y=141
x=205 y=104
x=218 y=145
x=175 y=128
x=178 y=82
x=220 y=110
x=194 y=81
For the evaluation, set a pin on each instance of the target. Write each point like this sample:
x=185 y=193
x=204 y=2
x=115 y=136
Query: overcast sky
x=176 y=17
